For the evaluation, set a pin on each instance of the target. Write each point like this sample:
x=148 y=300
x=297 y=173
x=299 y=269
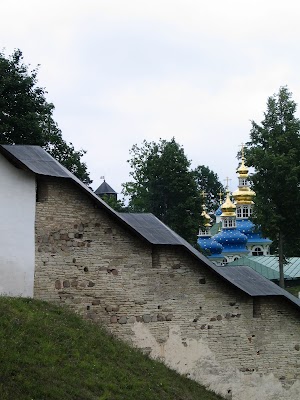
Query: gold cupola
x=243 y=195
x=206 y=218
x=228 y=208
x=204 y=229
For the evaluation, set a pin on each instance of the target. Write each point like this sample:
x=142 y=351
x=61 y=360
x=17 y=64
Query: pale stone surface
x=196 y=360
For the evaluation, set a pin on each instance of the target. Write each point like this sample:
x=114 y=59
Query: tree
x=164 y=185
x=208 y=182
x=117 y=205
x=27 y=118
x=274 y=152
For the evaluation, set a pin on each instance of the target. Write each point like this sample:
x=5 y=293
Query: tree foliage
x=208 y=182
x=274 y=152
x=27 y=118
x=164 y=185
x=117 y=205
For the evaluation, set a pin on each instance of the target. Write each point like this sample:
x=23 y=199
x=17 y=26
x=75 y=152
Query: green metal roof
x=268 y=266
x=215 y=228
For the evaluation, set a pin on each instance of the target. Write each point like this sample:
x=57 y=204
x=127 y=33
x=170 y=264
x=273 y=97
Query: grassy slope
x=47 y=353
x=294 y=290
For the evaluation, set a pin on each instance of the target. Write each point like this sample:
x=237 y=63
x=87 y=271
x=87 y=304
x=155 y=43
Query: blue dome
x=245 y=226
x=250 y=230
x=208 y=243
x=218 y=212
x=232 y=240
x=256 y=237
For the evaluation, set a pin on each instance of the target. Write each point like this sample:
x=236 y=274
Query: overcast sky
x=121 y=71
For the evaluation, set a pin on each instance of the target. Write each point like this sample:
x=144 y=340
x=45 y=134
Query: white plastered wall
x=17 y=242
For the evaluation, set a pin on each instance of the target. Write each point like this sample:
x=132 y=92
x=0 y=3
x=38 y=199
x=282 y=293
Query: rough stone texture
x=163 y=300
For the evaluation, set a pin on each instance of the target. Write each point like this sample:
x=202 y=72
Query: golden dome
x=243 y=169
x=243 y=195
x=206 y=218
x=228 y=208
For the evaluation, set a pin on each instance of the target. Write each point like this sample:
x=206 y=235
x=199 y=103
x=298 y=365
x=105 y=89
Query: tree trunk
x=281 y=273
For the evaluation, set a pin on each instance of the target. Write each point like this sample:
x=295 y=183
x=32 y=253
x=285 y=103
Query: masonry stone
x=186 y=316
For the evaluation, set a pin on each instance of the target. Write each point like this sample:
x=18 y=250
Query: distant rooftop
x=104 y=188
x=268 y=266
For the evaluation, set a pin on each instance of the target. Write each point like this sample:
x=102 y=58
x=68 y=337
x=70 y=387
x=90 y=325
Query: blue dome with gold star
x=245 y=226
x=232 y=240
x=210 y=245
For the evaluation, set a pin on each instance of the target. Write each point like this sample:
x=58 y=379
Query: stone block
x=122 y=320
x=58 y=284
x=146 y=318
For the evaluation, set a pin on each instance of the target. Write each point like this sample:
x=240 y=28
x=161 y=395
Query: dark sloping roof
x=104 y=188
x=36 y=160
x=156 y=232
x=152 y=228
x=254 y=284
x=147 y=226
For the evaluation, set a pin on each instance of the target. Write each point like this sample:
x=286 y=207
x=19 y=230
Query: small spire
x=221 y=195
x=243 y=195
x=243 y=169
x=242 y=150
x=228 y=208
x=203 y=194
x=227 y=180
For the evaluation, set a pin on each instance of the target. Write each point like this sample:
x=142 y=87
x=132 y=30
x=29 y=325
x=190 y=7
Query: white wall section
x=17 y=241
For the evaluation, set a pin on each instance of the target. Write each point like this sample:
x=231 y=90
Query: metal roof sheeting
x=147 y=226
x=104 y=188
x=268 y=266
x=37 y=160
x=152 y=228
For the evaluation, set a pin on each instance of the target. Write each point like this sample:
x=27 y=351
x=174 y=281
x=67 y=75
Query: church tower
x=243 y=196
x=232 y=240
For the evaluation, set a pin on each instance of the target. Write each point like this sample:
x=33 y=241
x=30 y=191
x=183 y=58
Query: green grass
x=294 y=290
x=48 y=353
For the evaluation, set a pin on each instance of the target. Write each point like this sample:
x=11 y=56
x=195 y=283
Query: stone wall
x=163 y=300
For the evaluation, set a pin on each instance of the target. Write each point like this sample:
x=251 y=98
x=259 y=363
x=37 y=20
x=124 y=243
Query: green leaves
x=164 y=185
x=274 y=152
x=27 y=118
x=208 y=182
